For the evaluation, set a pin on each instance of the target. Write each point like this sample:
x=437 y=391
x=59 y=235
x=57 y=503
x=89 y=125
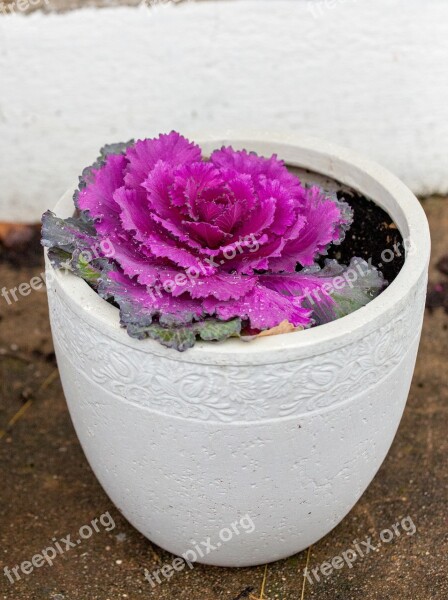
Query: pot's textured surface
x=287 y=430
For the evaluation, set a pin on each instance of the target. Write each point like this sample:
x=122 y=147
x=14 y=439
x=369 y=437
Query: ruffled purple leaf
x=263 y=308
x=173 y=149
x=257 y=167
x=139 y=304
x=221 y=286
x=326 y=221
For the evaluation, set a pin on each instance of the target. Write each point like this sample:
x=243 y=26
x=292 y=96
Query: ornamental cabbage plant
x=191 y=247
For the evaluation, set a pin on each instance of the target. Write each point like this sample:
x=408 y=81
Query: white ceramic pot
x=289 y=430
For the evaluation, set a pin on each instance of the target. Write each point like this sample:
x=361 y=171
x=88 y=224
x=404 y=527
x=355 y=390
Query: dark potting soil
x=373 y=235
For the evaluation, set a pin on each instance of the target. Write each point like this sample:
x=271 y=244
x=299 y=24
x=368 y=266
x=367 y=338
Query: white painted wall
x=370 y=75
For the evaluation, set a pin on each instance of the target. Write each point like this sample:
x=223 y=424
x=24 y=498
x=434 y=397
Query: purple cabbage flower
x=192 y=247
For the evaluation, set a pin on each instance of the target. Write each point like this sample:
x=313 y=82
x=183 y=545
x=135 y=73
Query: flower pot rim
x=335 y=162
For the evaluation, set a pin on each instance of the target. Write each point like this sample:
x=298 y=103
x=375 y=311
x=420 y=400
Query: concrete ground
x=48 y=490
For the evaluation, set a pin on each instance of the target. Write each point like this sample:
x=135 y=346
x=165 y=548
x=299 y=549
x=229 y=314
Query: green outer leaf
x=212 y=329
x=346 y=305
x=182 y=338
x=90 y=272
x=59 y=258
